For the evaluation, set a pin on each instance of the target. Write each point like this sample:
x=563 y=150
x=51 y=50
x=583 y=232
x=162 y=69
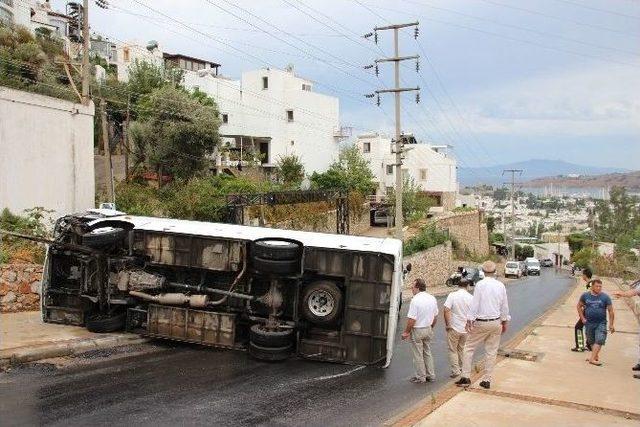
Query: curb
x=20 y=355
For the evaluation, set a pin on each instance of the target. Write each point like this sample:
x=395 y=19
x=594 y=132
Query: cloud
x=596 y=101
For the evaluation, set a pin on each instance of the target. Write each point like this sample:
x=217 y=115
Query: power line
x=424 y=81
x=546 y=15
x=511 y=38
x=324 y=51
x=519 y=27
x=597 y=9
x=260 y=60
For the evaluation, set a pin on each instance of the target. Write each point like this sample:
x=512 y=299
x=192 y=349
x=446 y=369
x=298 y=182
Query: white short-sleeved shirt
x=423 y=308
x=458 y=302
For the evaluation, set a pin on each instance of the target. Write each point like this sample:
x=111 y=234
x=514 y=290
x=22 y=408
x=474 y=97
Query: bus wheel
x=263 y=336
x=271 y=354
x=322 y=302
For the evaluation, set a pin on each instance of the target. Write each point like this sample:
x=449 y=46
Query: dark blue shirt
x=595 y=306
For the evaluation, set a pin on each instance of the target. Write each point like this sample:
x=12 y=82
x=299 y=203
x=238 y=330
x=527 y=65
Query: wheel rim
x=321 y=303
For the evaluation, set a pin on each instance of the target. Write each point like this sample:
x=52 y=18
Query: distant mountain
x=630 y=180
x=532 y=169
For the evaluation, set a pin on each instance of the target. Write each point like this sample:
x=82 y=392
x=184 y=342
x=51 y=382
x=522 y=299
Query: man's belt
x=487 y=320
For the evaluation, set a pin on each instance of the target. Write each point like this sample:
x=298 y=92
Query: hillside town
x=192 y=197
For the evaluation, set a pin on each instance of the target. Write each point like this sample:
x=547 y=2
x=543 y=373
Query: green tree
x=584 y=257
x=290 y=171
x=349 y=172
x=175 y=133
x=491 y=224
x=524 y=251
x=415 y=203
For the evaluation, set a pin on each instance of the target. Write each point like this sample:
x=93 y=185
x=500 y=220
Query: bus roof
x=232 y=231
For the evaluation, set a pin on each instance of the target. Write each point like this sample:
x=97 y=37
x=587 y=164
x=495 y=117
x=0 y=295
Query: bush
x=428 y=237
x=13 y=249
x=290 y=171
x=138 y=199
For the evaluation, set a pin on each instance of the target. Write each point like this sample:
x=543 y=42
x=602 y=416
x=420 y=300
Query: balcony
x=342 y=132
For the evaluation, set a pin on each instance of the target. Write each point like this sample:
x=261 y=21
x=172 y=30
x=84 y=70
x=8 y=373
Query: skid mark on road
x=329 y=377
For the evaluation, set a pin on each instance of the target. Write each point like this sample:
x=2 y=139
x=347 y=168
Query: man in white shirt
x=486 y=322
x=456 y=309
x=422 y=317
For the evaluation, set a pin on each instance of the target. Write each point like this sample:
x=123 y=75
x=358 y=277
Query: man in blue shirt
x=592 y=308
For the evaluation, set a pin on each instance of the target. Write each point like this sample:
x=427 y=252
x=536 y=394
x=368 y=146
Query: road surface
x=181 y=384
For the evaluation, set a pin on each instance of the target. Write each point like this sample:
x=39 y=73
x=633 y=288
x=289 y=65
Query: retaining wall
x=468 y=229
x=20 y=287
x=433 y=265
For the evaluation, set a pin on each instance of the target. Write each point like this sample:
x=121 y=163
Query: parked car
x=546 y=262
x=533 y=266
x=512 y=269
x=381 y=218
x=523 y=267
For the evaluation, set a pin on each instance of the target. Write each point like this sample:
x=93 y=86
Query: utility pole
x=86 y=70
x=107 y=152
x=513 y=173
x=397 y=90
x=126 y=141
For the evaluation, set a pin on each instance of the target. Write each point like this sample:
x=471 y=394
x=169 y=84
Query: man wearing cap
x=486 y=322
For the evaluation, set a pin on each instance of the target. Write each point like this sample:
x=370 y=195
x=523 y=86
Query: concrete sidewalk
x=560 y=387
x=25 y=338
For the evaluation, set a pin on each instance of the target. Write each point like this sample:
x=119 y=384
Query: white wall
x=258 y=112
x=46 y=153
x=136 y=53
x=441 y=173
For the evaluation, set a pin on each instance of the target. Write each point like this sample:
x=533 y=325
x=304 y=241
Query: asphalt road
x=180 y=384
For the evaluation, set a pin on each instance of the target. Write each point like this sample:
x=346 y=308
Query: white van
x=272 y=292
x=512 y=269
x=533 y=266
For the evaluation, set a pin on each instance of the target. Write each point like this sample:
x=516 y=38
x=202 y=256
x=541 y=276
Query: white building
x=46 y=159
x=122 y=55
x=15 y=12
x=432 y=170
x=270 y=113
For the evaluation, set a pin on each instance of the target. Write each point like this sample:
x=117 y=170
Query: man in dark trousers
x=578 y=331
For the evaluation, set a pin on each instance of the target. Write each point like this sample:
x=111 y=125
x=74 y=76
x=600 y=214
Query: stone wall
x=433 y=265
x=448 y=200
x=468 y=229
x=20 y=287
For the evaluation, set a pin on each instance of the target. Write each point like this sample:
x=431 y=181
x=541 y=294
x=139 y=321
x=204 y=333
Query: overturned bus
x=273 y=292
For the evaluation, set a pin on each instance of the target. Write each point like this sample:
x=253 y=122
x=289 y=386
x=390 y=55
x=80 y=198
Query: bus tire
x=270 y=354
x=106 y=323
x=103 y=236
x=276 y=249
x=261 y=336
x=322 y=302
x=277 y=267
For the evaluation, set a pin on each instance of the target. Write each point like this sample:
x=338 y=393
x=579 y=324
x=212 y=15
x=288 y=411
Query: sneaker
x=452 y=375
x=430 y=380
x=463 y=382
x=577 y=349
x=485 y=384
x=636 y=368
x=636 y=376
x=417 y=380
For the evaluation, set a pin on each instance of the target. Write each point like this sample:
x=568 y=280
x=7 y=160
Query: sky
x=501 y=80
